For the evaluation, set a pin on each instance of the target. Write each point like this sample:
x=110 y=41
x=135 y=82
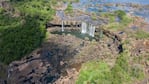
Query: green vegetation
x=118 y=20
x=94 y=16
x=3 y=71
x=100 y=73
x=70 y=1
x=94 y=73
x=110 y=16
x=1 y=10
x=20 y=39
x=120 y=71
x=69 y=9
x=140 y=34
x=120 y=14
x=41 y=9
x=22 y=34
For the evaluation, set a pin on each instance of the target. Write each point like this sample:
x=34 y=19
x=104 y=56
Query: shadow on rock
x=44 y=65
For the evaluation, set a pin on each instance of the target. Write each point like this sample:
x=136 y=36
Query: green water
x=75 y=33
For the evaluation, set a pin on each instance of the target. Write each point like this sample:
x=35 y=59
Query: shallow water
x=111 y=5
x=76 y=33
x=121 y=1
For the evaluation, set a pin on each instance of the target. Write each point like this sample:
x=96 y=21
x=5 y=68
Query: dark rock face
x=48 y=25
x=35 y=69
x=44 y=65
x=3 y=81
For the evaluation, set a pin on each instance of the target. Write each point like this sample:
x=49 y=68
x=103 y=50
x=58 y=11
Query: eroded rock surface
x=59 y=60
x=45 y=64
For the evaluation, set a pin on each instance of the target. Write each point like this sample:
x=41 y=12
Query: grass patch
x=114 y=24
x=69 y=9
x=70 y=1
x=140 y=34
x=41 y=9
x=94 y=73
x=100 y=73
